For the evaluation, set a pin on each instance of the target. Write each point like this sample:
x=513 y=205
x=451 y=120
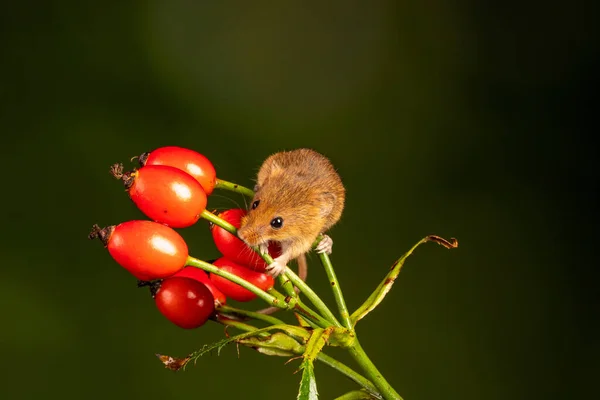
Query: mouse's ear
x=268 y=169
x=327 y=201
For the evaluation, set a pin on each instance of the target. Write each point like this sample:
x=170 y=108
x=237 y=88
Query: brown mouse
x=298 y=195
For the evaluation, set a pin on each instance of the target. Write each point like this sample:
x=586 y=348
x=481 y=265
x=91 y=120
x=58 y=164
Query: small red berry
x=202 y=277
x=235 y=249
x=190 y=161
x=148 y=250
x=165 y=194
x=185 y=302
x=235 y=291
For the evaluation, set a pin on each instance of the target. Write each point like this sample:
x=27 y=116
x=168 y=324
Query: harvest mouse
x=298 y=195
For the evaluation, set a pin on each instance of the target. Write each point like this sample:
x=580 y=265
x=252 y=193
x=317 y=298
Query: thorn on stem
x=292 y=359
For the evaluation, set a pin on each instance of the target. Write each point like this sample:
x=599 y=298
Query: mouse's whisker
x=247 y=251
x=229 y=199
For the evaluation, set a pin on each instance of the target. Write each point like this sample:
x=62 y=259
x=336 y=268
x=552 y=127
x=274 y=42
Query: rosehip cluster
x=171 y=187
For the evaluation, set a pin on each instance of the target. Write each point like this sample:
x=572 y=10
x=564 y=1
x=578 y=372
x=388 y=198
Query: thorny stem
x=337 y=290
x=245 y=314
x=312 y=316
x=304 y=321
x=234 y=187
x=212 y=218
x=372 y=372
x=285 y=283
x=312 y=296
x=307 y=291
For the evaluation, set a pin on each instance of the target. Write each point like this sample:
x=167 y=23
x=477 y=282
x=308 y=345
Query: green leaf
x=308 y=384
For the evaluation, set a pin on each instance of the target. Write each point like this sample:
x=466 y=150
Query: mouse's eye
x=277 y=222
x=255 y=204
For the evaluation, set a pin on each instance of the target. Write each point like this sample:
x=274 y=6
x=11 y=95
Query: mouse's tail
x=302 y=274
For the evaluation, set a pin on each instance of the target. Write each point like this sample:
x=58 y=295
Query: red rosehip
x=185 y=302
x=235 y=291
x=165 y=194
x=148 y=250
x=202 y=277
x=235 y=249
x=190 y=161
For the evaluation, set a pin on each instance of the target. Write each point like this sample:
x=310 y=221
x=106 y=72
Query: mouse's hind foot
x=325 y=245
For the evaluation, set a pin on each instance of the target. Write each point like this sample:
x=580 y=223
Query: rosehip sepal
x=101 y=233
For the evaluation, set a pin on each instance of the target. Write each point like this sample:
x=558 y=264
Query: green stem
x=350 y=373
x=310 y=315
x=307 y=291
x=357 y=395
x=276 y=299
x=305 y=321
x=242 y=326
x=284 y=281
x=307 y=312
x=337 y=290
x=210 y=217
x=372 y=372
x=312 y=296
x=238 y=312
x=234 y=187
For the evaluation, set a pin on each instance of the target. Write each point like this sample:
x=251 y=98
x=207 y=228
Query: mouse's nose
x=248 y=236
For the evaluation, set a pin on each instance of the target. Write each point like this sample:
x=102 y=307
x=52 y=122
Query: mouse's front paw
x=275 y=268
x=325 y=245
x=263 y=248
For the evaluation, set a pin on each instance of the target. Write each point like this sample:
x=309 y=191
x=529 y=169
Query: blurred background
x=463 y=119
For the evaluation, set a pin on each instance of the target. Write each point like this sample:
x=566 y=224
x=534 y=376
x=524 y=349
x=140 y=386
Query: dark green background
x=462 y=119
